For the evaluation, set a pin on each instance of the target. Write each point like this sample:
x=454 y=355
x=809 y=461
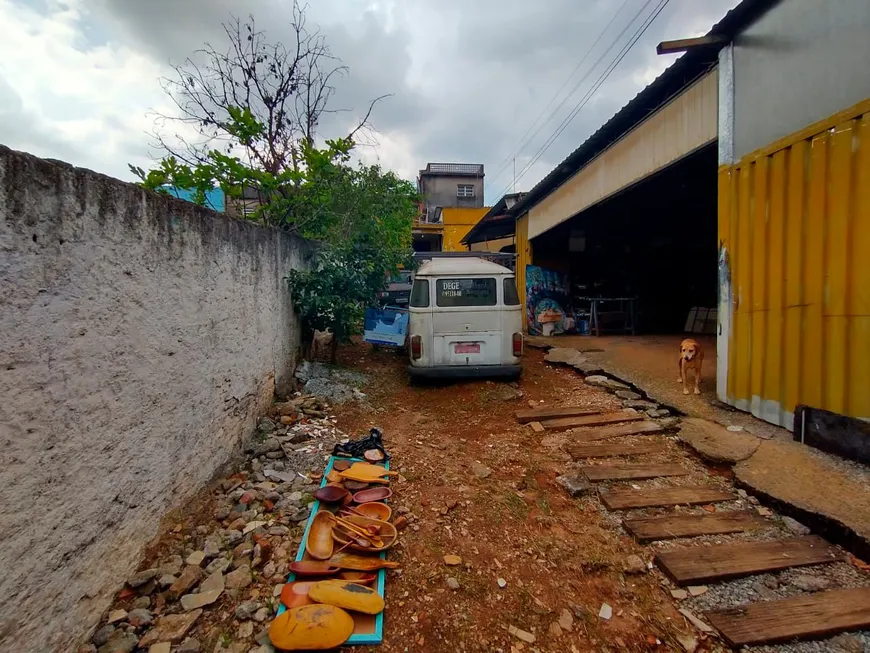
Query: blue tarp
x=385 y=326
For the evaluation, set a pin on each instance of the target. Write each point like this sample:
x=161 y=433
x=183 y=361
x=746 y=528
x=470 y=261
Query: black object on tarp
x=357 y=448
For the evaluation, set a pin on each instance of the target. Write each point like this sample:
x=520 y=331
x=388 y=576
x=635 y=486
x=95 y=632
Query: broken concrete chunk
x=170 y=628
x=634 y=565
x=697 y=623
x=605 y=382
x=575 y=484
x=199 y=600
x=452 y=560
x=606 y=611
x=631 y=396
x=523 y=635
x=715 y=443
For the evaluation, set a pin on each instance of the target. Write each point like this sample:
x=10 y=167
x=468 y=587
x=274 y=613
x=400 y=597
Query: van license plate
x=467 y=348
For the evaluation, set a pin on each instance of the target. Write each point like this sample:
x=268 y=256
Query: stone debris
x=171 y=628
x=811 y=583
x=688 y=642
x=502 y=583
x=795 y=526
x=631 y=396
x=116 y=615
x=697 y=590
x=566 y=620
x=606 y=382
x=452 y=560
x=697 y=623
x=523 y=635
x=481 y=471
x=231 y=565
x=452 y=583
x=606 y=611
x=680 y=595
x=575 y=484
x=634 y=565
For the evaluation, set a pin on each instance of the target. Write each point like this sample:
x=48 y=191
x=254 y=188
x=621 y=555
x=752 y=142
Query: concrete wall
x=440 y=190
x=141 y=338
x=800 y=63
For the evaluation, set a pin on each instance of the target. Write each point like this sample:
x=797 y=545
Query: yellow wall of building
x=524 y=258
x=794 y=233
x=457 y=223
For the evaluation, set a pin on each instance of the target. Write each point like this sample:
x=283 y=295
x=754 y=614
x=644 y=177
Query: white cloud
x=79 y=77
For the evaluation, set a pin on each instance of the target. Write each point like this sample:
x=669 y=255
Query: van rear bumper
x=466 y=371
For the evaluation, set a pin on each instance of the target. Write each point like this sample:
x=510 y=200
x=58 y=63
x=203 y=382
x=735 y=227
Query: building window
x=465 y=190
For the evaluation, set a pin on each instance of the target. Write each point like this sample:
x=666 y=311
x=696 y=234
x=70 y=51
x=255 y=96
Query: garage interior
x=656 y=241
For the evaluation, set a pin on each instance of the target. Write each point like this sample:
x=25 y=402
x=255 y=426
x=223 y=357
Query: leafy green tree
x=255 y=109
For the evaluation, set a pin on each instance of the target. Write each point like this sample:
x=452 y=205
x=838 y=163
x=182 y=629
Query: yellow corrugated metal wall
x=524 y=258
x=794 y=220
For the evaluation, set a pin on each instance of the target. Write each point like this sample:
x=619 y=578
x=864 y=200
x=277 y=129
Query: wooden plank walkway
x=802 y=617
x=623 y=499
x=701 y=564
x=538 y=414
x=615 y=449
x=628 y=472
x=645 y=427
x=671 y=527
x=565 y=423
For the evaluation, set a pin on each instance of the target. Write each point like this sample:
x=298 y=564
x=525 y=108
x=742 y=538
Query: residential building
x=452 y=203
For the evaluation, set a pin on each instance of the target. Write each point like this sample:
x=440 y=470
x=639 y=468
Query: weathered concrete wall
x=140 y=337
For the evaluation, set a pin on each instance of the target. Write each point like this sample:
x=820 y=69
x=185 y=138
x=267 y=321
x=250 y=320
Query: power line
x=585 y=100
x=523 y=143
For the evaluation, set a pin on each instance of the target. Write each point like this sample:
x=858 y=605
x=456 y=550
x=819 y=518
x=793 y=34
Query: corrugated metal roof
x=672 y=81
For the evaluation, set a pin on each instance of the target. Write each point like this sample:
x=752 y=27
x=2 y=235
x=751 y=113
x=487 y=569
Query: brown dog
x=691 y=358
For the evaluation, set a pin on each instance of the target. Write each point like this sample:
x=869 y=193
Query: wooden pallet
x=538 y=414
x=645 y=427
x=624 y=499
x=673 y=526
x=615 y=449
x=628 y=472
x=701 y=564
x=565 y=423
x=802 y=617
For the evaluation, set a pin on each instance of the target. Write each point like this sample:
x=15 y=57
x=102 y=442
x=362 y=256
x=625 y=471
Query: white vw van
x=465 y=320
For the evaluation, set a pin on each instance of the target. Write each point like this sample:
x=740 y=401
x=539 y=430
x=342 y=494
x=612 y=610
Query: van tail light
x=518 y=344
x=416 y=347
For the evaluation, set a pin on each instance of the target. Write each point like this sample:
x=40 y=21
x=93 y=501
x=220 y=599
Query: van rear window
x=420 y=293
x=466 y=292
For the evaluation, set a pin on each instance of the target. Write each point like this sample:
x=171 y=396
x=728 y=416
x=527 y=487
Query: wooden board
x=633 y=428
x=538 y=414
x=662 y=496
x=701 y=564
x=801 y=617
x=673 y=526
x=615 y=449
x=565 y=423
x=627 y=472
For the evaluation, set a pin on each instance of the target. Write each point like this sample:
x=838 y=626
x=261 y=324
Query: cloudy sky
x=471 y=81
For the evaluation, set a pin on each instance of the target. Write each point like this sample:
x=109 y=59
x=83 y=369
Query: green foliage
x=256 y=110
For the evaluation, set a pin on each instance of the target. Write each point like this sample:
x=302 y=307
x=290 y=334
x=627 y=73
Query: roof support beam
x=683 y=45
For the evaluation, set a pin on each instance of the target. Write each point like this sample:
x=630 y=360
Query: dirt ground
x=559 y=557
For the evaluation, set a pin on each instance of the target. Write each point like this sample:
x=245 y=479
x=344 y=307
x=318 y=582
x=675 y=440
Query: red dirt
x=554 y=552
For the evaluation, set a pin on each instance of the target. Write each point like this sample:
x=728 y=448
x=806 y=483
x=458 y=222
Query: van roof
x=462 y=266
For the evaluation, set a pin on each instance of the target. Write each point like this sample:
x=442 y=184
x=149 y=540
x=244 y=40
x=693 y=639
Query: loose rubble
x=214 y=587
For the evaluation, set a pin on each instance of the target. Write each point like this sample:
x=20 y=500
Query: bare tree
x=287 y=88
